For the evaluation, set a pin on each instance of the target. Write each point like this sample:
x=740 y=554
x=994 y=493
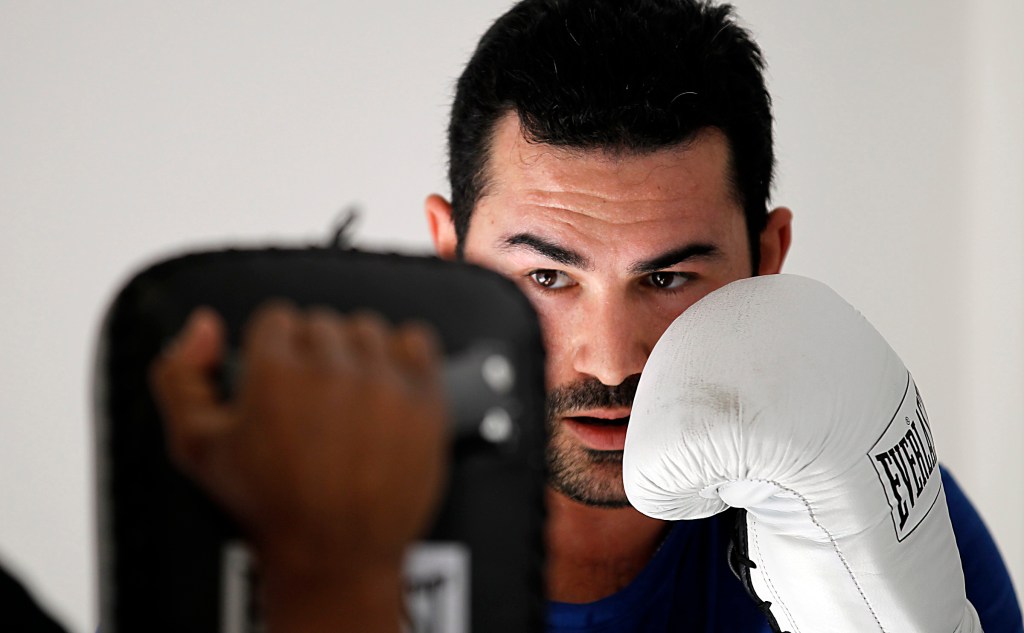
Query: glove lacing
x=740 y=565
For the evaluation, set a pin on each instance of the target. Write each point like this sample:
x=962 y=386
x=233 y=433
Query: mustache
x=591 y=393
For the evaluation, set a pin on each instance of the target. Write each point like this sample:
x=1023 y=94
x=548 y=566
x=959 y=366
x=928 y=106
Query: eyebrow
x=548 y=249
x=676 y=256
x=569 y=257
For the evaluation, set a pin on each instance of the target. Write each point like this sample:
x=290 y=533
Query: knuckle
x=422 y=340
x=323 y=319
x=276 y=309
x=273 y=315
x=370 y=322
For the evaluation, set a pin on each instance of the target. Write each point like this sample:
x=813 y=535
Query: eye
x=550 y=279
x=667 y=280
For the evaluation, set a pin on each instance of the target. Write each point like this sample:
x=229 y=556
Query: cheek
x=662 y=310
x=653 y=314
x=659 y=319
x=557 y=326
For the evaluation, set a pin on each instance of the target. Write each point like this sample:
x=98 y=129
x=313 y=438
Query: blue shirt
x=687 y=585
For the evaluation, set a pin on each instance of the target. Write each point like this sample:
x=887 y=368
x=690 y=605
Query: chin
x=592 y=478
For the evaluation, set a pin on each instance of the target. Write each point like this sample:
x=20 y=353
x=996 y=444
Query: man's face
x=610 y=249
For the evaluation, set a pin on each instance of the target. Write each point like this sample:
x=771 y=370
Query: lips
x=605 y=433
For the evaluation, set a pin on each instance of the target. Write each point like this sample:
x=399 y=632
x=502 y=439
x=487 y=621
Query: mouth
x=599 y=431
x=595 y=421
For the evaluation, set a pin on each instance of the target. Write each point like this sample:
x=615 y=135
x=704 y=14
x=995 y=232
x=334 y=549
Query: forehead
x=687 y=184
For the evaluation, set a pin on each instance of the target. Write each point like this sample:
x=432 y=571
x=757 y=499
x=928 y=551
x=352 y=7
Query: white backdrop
x=132 y=130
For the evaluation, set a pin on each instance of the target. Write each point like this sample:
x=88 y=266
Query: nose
x=611 y=342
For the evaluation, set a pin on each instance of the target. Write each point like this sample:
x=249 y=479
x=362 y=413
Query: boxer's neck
x=594 y=552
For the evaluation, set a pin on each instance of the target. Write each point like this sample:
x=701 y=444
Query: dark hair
x=629 y=76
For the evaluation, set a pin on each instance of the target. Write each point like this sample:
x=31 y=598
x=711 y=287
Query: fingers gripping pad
x=165 y=549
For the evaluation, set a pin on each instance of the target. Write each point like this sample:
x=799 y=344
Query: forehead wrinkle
x=615 y=202
x=568 y=207
x=558 y=198
x=619 y=179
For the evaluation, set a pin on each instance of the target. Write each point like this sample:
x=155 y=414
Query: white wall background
x=132 y=130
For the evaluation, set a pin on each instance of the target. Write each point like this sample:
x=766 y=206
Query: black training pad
x=161 y=539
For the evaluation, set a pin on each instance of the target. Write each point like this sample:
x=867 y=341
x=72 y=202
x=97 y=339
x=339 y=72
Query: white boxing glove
x=774 y=395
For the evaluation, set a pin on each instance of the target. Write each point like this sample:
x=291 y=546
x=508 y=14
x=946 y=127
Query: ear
x=775 y=239
x=442 y=228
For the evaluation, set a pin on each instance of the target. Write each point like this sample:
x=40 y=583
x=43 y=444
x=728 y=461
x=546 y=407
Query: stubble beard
x=585 y=475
